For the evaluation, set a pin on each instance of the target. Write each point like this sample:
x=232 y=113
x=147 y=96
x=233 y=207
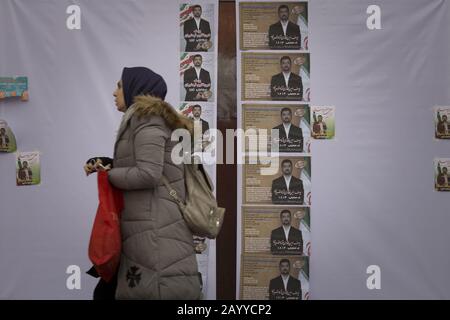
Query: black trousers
x=104 y=290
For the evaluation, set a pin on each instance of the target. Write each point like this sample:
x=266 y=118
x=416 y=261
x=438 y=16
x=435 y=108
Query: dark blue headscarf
x=140 y=80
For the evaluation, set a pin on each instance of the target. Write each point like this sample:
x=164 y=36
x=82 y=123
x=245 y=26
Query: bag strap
x=172 y=192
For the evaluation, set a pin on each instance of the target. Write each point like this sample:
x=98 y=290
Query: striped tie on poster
x=198 y=23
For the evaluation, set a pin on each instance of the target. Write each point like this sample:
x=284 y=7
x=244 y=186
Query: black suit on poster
x=292 y=32
x=295 y=133
x=277 y=285
x=190 y=76
x=295 y=185
x=205 y=125
x=295 y=82
x=190 y=28
x=295 y=235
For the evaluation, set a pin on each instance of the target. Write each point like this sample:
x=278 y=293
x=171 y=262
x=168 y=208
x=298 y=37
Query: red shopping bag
x=105 y=243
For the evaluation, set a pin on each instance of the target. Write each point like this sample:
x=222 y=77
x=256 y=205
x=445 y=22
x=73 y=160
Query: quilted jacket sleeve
x=149 y=145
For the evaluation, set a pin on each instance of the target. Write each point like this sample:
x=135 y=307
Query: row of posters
x=274 y=95
x=274 y=112
x=198 y=101
x=28 y=167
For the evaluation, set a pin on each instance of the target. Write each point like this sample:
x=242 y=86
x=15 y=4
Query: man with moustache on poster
x=284 y=34
x=287 y=189
x=197 y=81
x=197 y=32
x=286 y=85
x=286 y=239
x=290 y=137
x=285 y=287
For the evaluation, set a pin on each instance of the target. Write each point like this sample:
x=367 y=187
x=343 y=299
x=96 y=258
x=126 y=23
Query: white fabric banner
x=73 y=54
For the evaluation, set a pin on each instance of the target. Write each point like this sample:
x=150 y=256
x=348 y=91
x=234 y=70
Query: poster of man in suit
x=196 y=23
x=196 y=78
x=27 y=168
x=277 y=180
x=273 y=25
x=275 y=76
x=290 y=136
x=287 y=189
x=290 y=122
x=284 y=34
x=442 y=122
x=203 y=117
x=323 y=122
x=286 y=239
x=7 y=138
x=276 y=230
x=201 y=129
x=268 y=277
x=197 y=118
x=285 y=286
x=286 y=85
x=442 y=174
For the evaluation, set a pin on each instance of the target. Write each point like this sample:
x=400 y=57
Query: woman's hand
x=95 y=165
x=100 y=167
x=89 y=168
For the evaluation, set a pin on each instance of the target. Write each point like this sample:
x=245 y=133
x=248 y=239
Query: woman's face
x=119 y=97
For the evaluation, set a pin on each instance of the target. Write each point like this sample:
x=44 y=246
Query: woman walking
x=158 y=258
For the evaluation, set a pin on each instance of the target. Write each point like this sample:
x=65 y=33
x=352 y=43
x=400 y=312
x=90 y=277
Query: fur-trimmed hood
x=147 y=105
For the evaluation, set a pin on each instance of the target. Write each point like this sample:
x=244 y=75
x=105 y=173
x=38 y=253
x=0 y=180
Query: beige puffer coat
x=158 y=258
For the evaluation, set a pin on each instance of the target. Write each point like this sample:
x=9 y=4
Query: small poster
x=7 y=138
x=28 y=168
x=196 y=23
x=277 y=180
x=202 y=115
x=291 y=122
x=273 y=25
x=276 y=230
x=441 y=174
x=442 y=122
x=197 y=74
x=14 y=87
x=323 y=122
x=275 y=76
x=266 y=277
